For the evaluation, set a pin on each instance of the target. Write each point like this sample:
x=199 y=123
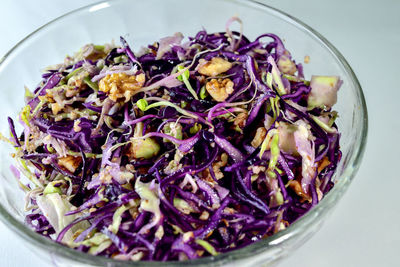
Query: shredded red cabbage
x=183 y=150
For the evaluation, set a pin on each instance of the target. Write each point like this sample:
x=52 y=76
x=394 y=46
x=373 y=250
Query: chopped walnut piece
x=219 y=89
x=217 y=165
x=214 y=67
x=121 y=85
x=187 y=236
x=240 y=120
x=204 y=216
x=76 y=84
x=76 y=127
x=259 y=137
x=323 y=163
x=70 y=163
x=296 y=187
x=55 y=108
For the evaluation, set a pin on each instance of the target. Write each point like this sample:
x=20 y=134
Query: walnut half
x=259 y=137
x=219 y=89
x=121 y=85
x=214 y=67
x=70 y=163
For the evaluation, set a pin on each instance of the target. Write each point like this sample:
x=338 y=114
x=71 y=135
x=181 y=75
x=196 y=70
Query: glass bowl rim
x=258 y=247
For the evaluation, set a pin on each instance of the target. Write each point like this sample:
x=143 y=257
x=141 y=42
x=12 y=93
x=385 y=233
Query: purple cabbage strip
x=211 y=185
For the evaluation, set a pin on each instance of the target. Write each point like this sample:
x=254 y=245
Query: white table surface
x=364 y=229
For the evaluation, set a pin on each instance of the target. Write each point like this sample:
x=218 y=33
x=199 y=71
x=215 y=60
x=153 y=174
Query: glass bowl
x=143 y=22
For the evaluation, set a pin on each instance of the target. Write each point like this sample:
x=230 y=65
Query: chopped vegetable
x=190 y=148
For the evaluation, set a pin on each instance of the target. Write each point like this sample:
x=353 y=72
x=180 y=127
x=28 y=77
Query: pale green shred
x=108 y=121
x=254 y=177
x=91 y=84
x=38 y=107
x=269 y=79
x=195 y=128
x=51 y=149
x=87 y=154
x=295 y=79
x=72 y=73
x=183 y=206
x=184 y=104
x=99 y=47
x=207 y=246
x=323 y=125
x=5 y=139
x=185 y=74
x=97 y=243
x=27 y=172
x=117 y=218
x=279 y=198
x=28 y=93
x=83 y=113
x=203 y=92
x=54 y=207
x=264 y=145
x=177 y=229
x=274 y=146
x=149 y=200
x=143 y=148
x=24 y=188
x=275 y=106
x=69 y=190
x=51 y=189
x=173 y=129
x=266 y=141
x=121 y=59
x=94 y=250
x=333 y=118
x=272 y=139
x=26 y=115
x=277 y=79
x=144 y=106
